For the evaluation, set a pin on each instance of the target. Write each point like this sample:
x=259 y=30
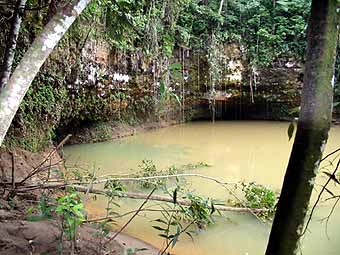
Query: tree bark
x=11 y=43
x=312 y=129
x=12 y=95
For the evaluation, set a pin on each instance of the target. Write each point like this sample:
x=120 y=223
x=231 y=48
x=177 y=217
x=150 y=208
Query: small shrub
x=259 y=196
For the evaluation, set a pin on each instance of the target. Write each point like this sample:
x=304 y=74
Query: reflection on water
x=237 y=151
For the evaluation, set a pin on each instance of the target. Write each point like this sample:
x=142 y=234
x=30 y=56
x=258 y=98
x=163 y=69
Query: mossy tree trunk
x=312 y=129
x=11 y=43
x=12 y=95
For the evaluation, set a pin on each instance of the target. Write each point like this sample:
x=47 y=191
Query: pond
x=249 y=151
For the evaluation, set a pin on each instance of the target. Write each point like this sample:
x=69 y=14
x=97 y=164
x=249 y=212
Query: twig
x=330 y=213
x=90 y=186
x=12 y=192
x=133 y=216
x=330 y=154
x=181 y=232
x=13 y=170
x=319 y=197
x=37 y=169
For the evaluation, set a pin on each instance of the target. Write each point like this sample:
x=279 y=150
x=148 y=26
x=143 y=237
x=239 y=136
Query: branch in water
x=133 y=195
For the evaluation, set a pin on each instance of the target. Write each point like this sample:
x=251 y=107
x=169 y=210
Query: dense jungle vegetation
x=91 y=71
x=158 y=34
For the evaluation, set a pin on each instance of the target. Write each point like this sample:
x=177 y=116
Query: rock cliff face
x=89 y=82
x=245 y=92
x=240 y=91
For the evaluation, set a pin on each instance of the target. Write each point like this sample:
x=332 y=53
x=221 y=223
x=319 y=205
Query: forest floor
x=18 y=235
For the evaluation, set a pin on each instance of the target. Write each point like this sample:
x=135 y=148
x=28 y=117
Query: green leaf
x=175 y=66
x=159 y=228
x=177 y=98
x=162 y=88
x=332 y=177
x=190 y=235
x=291 y=129
x=161 y=221
x=163 y=235
x=330 y=192
x=295 y=110
x=174 y=196
x=174 y=223
x=78 y=207
x=212 y=208
x=175 y=239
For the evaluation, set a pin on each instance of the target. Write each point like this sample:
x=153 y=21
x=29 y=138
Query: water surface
x=238 y=151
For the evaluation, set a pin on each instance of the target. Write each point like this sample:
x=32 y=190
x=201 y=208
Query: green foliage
x=259 y=196
x=167 y=94
x=43 y=211
x=200 y=209
x=265 y=32
x=177 y=219
x=67 y=209
x=149 y=169
x=270 y=31
x=70 y=210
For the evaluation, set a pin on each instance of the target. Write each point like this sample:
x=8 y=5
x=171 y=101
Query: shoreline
x=109 y=131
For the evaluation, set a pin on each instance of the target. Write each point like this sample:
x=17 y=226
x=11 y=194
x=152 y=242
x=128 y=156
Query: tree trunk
x=221 y=7
x=11 y=43
x=312 y=129
x=12 y=95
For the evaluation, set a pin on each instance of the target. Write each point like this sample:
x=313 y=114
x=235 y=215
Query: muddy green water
x=238 y=151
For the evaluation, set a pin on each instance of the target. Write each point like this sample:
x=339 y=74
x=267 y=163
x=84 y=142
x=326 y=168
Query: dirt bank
x=19 y=236
x=24 y=237
x=106 y=131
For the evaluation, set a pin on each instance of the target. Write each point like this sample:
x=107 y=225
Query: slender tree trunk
x=221 y=7
x=11 y=43
x=312 y=129
x=12 y=95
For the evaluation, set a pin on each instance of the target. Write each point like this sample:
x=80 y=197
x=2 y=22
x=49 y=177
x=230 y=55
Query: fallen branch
x=224 y=184
x=134 y=179
x=133 y=195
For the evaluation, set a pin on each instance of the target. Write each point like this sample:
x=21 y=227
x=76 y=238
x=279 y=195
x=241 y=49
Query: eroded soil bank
x=20 y=236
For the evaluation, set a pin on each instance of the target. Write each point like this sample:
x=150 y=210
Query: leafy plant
x=259 y=196
x=148 y=169
x=167 y=93
x=43 y=211
x=69 y=208
x=178 y=219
